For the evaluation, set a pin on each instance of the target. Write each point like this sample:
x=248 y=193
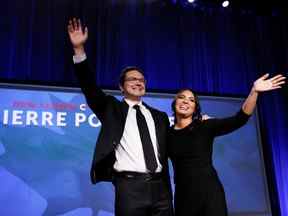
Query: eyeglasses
x=134 y=79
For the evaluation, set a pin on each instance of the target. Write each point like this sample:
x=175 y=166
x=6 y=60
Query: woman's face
x=185 y=104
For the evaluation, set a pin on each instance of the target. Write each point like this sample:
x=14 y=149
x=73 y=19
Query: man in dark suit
x=131 y=147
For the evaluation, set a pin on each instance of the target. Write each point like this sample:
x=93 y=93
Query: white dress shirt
x=129 y=152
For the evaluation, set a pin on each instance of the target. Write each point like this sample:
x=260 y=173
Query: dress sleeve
x=227 y=125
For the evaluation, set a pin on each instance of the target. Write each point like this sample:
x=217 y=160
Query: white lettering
x=79 y=118
x=16 y=117
x=82 y=107
x=61 y=119
x=94 y=124
x=31 y=117
x=5 y=117
x=47 y=118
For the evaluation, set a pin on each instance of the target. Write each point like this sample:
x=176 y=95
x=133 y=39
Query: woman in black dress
x=198 y=191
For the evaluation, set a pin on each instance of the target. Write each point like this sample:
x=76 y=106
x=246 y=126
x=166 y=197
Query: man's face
x=134 y=85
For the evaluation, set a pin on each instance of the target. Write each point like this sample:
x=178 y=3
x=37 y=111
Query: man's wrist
x=79 y=50
x=79 y=58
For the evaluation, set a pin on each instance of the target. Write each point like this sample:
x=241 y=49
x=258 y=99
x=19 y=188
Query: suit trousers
x=140 y=194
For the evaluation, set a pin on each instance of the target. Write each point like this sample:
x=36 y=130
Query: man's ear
x=121 y=88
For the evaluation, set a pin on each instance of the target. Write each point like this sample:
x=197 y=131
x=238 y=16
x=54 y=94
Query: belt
x=139 y=176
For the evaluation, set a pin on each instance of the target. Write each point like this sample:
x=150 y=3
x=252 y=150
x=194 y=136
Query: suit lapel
x=124 y=111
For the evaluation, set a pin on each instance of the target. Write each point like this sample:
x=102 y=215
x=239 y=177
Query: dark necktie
x=148 y=150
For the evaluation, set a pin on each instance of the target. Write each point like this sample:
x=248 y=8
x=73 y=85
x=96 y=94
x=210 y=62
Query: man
x=131 y=147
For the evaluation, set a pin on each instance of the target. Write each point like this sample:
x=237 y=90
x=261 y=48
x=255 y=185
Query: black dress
x=198 y=191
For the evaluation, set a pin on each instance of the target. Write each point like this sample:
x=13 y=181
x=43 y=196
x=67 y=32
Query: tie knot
x=137 y=107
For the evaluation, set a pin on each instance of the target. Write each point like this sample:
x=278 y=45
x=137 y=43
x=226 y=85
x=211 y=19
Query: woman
x=198 y=191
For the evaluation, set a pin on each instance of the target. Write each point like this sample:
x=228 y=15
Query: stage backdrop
x=47 y=138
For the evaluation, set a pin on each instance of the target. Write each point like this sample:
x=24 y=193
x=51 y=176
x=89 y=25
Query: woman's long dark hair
x=197 y=112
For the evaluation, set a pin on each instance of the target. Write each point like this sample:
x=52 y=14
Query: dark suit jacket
x=112 y=113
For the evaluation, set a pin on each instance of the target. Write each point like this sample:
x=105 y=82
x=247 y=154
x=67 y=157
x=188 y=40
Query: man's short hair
x=125 y=71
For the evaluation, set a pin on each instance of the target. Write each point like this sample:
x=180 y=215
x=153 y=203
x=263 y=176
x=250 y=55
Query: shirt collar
x=132 y=103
